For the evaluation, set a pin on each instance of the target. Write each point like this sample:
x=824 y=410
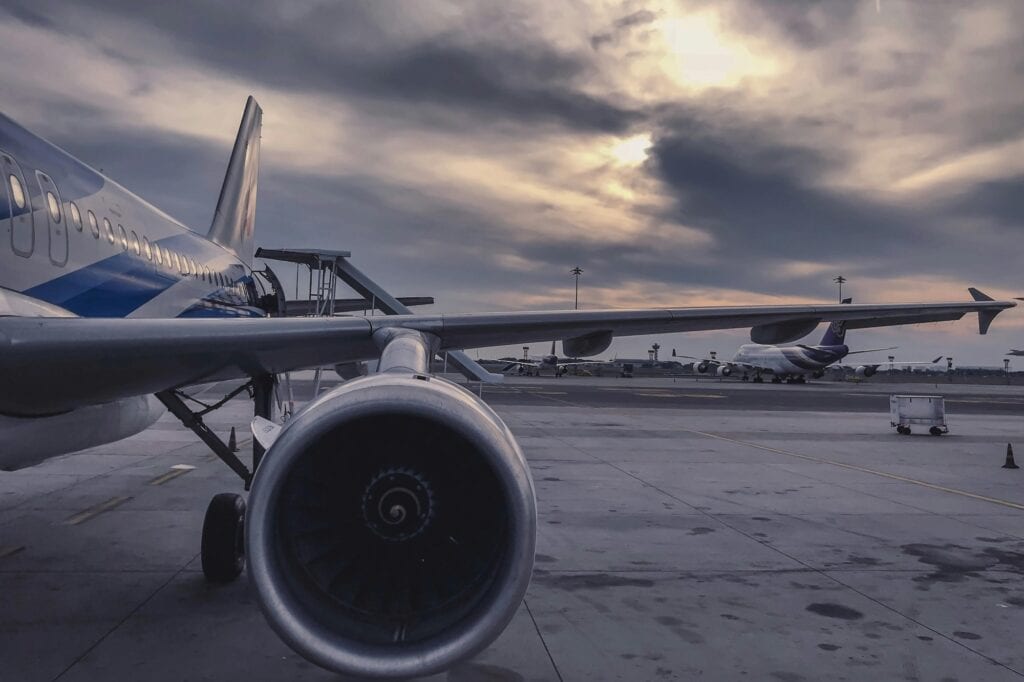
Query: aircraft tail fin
x=835 y=335
x=234 y=219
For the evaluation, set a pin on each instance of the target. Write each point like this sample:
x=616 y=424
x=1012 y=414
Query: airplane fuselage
x=74 y=243
x=790 y=360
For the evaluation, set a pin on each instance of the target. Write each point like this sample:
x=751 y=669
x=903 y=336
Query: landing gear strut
x=223 y=545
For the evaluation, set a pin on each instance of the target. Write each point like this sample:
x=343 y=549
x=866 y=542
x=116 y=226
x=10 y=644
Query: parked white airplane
x=794 y=363
x=369 y=552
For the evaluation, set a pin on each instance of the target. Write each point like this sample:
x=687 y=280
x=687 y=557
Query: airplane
x=793 y=363
x=1015 y=352
x=390 y=524
x=552 y=361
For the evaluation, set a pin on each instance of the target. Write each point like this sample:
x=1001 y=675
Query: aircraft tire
x=223 y=553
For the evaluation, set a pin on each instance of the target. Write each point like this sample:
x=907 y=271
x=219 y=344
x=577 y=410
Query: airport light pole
x=577 y=271
x=840 y=280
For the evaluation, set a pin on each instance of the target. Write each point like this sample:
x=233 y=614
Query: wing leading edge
x=55 y=364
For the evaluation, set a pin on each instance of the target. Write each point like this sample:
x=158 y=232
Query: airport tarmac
x=784 y=538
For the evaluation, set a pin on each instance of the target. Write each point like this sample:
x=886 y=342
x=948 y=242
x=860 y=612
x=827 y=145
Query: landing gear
x=776 y=380
x=223 y=543
x=223 y=547
x=758 y=379
x=745 y=377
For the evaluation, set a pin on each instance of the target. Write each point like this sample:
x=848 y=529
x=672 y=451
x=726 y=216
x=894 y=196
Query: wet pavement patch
x=830 y=610
x=829 y=647
x=955 y=563
x=701 y=531
x=961 y=634
x=678 y=627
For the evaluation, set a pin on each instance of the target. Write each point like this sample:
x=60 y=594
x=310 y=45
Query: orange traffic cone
x=1010 y=464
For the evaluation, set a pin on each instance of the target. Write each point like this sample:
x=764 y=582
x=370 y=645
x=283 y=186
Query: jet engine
x=391 y=527
x=865 y=371
x=702 y=367
x=724 y=371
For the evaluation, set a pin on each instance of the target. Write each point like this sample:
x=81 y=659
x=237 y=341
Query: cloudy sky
x=681 y=153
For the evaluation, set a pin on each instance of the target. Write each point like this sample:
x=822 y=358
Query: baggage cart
x=928 y=411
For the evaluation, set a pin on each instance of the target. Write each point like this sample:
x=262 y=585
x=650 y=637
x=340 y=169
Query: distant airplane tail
x=835 y=335
x=234 y=219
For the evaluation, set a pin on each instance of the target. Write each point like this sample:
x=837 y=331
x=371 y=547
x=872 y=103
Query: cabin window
x=51 y=202
x=147 y=249
x=123 y=236
x=109 y=229
x=93 y=225
x=76 y=216
x=136 y=247
x=17 y=191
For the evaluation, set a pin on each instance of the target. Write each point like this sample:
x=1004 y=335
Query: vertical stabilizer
x=234 y=219
x=835 y=335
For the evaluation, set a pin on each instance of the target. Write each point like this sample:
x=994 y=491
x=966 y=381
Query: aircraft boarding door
x=23 y=233
x=54 y=210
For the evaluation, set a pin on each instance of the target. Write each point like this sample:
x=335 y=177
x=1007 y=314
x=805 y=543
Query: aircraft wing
x=51 y=364
x=894 y=363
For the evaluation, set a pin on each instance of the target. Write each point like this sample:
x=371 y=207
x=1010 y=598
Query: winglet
x=936 y=359
x=985 y=317
x=979 y=295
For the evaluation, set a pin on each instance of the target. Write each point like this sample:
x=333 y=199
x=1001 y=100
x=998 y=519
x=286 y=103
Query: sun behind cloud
x=700 y=55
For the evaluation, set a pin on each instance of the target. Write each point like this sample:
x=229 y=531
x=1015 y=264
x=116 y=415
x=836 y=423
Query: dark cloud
x=341 y=48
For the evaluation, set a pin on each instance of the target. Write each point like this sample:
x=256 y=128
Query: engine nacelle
x=724 y=371
x=702 y=367
x=391 y=527
x=865 y=371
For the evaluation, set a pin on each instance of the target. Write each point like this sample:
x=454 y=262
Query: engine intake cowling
x=866 y=371
x=391 y=527
x=724 y=371
x=702 y=367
